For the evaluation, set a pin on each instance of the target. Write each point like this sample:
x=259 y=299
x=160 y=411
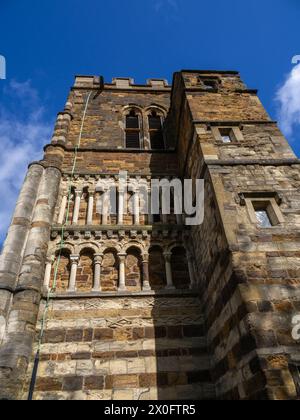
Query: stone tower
x=136 y=306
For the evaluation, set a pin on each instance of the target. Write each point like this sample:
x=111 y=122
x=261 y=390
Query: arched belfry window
x=156 y=131
x=133 y=130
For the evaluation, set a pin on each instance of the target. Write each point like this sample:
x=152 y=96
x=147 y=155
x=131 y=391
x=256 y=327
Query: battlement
x=126 y=83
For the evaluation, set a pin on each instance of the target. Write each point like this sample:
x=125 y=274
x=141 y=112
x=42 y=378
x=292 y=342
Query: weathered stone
x=146 y=307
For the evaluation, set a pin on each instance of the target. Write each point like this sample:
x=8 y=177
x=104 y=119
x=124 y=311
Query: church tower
x=100 y=299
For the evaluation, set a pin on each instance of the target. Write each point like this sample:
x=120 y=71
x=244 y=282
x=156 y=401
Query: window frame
x=206 y=81
x=150 y=130
x=269 y=202
x=235 y=134
x=229 y=133
x=133 y=130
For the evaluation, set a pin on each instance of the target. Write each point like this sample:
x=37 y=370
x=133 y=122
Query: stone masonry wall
x=124 y=348
x=249 y=276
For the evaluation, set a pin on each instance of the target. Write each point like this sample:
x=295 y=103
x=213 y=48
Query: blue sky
x=46 y=43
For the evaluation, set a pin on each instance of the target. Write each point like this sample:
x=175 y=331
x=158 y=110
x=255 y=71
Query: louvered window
x=156 y=132
x=133 y=137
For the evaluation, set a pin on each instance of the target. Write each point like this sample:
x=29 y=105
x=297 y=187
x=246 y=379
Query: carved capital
x=168 y=256
x=98 y=258
x=74 y=259
x=122 y=257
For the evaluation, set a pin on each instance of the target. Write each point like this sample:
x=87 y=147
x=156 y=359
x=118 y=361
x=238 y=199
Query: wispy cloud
x=23 y=132
x=288 y=97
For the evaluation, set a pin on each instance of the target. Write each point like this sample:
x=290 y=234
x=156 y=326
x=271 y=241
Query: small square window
x=263 y=208
x=210 y=84
x=226 y=135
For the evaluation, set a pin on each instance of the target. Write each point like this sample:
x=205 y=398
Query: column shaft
x=47 y=277
x=61 y=217
x=90 y=208
x=97 y=272
x=169 y=275
x=121 y=208
x=73 y=275
x=122 y=277
x=146 y=283
x=76 y=207
x=136 y=210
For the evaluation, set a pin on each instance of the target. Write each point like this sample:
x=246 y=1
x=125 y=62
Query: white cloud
x=288 y=97
x=23 y=132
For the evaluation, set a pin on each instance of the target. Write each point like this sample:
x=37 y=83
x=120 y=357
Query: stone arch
x=156 y=107
x=134 y=268
x=93 y=246
x=180 y=269
x=133 y=244
x=157 y=272
x=61 y=267
x=132 y=106
x=111 y=245
x=110 y=270
x=85 y=270
x=67 y=245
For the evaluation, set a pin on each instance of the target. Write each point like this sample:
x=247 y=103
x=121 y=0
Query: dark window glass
x=156 y=132
x=132 y=140
x=210 y=85
x=154 y=122
x=132 y=131
x=132 y=121
x=157 y=141
x=156 y=218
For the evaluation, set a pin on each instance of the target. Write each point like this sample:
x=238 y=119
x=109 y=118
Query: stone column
x=169 y=276
x=61 y=217
x=121 y=207
x=165 y=219
x=13 y=248
x=190 y=260
x=90 y=211
x=105 y=208
x=122 y=275
x=146 y=283
x=97 y=272
x=150 y=215
x=136 y=208
x=16 y=349
x=74 y=267
x=78 y=194
x=48 y=270
x=179 y=219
